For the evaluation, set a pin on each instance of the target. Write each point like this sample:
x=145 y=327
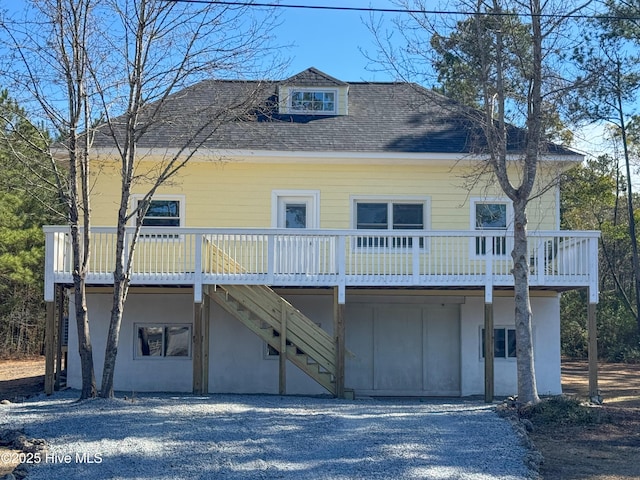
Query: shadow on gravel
x=243 y=437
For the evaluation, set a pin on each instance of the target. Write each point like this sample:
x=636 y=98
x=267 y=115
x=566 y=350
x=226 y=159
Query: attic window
x=313 y=101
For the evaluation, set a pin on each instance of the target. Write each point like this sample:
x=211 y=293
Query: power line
x=400 y=10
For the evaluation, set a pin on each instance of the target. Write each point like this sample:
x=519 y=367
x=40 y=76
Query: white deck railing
x=279 y=257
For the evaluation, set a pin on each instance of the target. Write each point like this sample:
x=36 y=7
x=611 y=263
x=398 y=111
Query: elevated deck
x=330 y=258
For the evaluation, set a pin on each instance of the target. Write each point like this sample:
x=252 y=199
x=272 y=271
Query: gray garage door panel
x=403 y=349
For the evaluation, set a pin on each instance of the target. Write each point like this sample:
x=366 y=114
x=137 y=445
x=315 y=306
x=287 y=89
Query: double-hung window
x=491 y=216
x=163 y=340
x=389 y=215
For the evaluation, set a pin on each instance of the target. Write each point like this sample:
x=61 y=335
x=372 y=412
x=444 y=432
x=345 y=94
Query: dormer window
x=313 y=101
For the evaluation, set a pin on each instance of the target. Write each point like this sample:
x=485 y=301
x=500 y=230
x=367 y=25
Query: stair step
x=259 y=308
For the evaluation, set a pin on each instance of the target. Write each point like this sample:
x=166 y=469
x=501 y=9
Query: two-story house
x=334 y=240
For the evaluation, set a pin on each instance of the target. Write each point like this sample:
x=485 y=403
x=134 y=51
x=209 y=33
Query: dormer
x=313 y=92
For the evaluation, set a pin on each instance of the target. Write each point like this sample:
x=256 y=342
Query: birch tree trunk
x=527 y=388
x=520 y=193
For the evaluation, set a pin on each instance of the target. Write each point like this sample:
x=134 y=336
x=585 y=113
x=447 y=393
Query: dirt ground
x=21 y=378
x=609 y=450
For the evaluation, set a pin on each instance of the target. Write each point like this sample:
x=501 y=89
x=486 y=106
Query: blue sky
x=331 y=40
x=326 y=39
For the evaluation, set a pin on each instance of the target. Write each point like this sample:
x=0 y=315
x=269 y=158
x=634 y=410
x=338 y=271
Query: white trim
x=267 y=156
x=576 y=267
x=473 y=201
x=313 y=220
x=389 y=199
x=557 y=212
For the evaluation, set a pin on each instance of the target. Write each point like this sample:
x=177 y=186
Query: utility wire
x=400 y=10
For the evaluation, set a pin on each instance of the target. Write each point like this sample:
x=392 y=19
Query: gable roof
x=383 y=117
x=312 y=77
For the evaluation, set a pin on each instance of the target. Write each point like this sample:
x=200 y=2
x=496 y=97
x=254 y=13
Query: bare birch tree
x=496 y=56
x=47 y=66
x=107 y=69
x=206 y=41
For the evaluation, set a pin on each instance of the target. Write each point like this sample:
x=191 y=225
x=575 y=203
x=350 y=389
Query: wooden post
x=594 y=393
x=489 y=381
x=197 y=348
x=60 y=332
x=282 y=375
x=338 y=329
x=488 y=353
x=205 y=343
x=49 y=347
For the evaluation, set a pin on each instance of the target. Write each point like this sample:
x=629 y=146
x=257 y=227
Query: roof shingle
x=383 y=117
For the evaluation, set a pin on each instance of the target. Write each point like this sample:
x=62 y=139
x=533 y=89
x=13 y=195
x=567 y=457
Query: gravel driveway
x=164 y=436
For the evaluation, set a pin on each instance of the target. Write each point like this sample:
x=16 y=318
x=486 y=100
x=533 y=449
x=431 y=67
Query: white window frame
x=390 y=200
x=163 y=326
x=312 y=196
x=292 y=90
x=509 y=227
x=506 y=329
x=136 y=198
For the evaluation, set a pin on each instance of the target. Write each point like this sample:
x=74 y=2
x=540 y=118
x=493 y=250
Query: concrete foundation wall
x=546 y=338
x=238 y=358
x=134 y=374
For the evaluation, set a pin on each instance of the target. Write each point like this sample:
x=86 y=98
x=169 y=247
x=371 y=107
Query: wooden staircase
x=270 y=317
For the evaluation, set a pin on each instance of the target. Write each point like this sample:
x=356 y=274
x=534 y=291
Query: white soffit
x=272 y=156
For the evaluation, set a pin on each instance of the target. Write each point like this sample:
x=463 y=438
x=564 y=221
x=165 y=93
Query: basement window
x=162 y=340
x=504 y=342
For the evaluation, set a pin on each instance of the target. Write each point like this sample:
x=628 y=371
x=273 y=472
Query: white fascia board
x=275 y=156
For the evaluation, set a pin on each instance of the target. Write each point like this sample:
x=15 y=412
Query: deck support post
x=488 y=353
x=594 y=393
x=282 y=370
x=338 y=329
x=60 y=332
x=197 y=348
x=49 y=348
x=489 y=381
x=205 y=342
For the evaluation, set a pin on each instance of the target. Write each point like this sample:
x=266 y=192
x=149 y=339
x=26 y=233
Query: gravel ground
x=165 y=436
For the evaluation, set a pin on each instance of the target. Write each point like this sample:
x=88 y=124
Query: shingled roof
x=382 y=117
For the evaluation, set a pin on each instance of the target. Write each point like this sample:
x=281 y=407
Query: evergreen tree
x=25 y=205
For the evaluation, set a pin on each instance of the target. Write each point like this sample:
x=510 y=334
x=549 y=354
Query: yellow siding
x=343 y=100
x=239 y=194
